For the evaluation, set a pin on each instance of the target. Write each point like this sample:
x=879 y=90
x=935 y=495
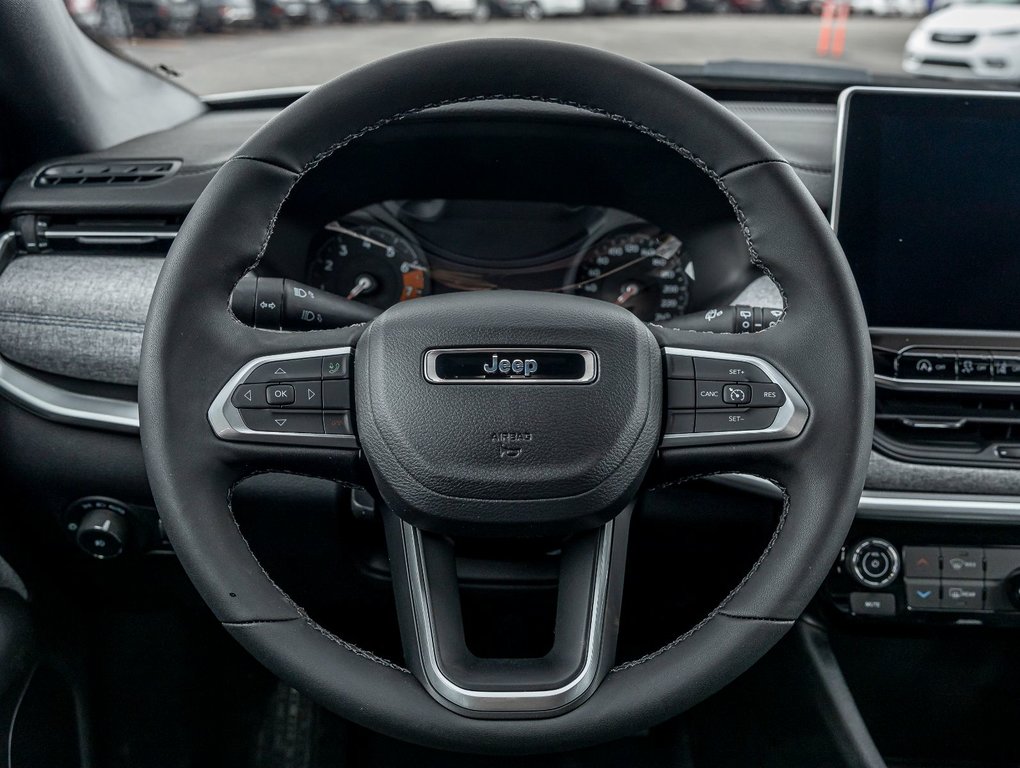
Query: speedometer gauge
x=639 y=269
x=369 y=263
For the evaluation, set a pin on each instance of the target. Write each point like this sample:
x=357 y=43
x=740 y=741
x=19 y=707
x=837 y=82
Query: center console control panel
x=910 y=577
x=947 y=397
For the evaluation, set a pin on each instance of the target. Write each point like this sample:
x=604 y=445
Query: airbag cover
x=484 y=456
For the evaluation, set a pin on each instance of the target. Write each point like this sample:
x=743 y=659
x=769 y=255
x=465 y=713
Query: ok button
x=280 y=394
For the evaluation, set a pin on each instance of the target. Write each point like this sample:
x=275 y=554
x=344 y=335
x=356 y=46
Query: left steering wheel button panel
x=300 y=399
x=306 y=422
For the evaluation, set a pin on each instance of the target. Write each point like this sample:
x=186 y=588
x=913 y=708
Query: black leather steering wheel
x=457 y=443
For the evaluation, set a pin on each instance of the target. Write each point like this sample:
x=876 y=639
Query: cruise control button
x=963 y=562
x=734 y=420
x=736 y=394
x=963 y=595
x=767 y=395
x=336 y=394
x=710 y=394
x=336 y=366
x=280 y=394
x=873 y=603
x=338 y=423
x=285 y=370
x=249 y=396
x=679 y=367
x=679 y=423
x=283 y=421
x=922 y=594
x=730 y=370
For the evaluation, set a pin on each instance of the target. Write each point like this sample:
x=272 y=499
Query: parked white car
x=537 y=9
x=889 y=7
x=407 y=9
x=972 y=40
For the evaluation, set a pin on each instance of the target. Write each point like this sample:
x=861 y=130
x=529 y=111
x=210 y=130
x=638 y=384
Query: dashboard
x=70 y=352
x=400 y=250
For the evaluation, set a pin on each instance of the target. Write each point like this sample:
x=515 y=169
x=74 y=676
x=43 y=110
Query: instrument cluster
x=400 y=251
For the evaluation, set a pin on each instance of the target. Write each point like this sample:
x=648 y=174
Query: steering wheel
x=506 y=414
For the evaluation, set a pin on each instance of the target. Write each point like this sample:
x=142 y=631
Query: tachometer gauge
x=641 y=270
x=369 y=263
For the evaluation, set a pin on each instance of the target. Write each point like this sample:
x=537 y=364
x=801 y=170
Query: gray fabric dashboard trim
x=886 y=474
x=78 y=316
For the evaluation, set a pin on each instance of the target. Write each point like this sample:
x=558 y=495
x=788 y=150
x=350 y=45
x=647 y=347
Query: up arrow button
x=286 y=370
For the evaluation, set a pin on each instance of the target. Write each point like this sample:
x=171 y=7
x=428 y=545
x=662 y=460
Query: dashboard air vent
x=119 y=173
x=95 y=234
x=948 y=427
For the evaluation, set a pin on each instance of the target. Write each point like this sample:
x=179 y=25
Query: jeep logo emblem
x=506 y=365
x=534 y=365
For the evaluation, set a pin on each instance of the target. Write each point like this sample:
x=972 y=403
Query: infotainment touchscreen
x=927 y=206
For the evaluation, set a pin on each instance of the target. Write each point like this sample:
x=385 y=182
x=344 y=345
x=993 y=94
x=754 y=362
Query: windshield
x=217 y=46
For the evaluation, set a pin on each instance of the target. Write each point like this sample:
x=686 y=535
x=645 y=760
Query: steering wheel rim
x=193 y=344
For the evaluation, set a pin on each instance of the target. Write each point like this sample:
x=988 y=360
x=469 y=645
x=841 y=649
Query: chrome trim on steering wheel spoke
x=504 y=701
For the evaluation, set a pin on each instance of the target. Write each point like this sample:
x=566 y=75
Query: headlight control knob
x=875 y=563
x=103 y=533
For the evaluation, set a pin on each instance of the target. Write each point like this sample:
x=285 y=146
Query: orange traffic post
x=839 y=34
x=825 y=32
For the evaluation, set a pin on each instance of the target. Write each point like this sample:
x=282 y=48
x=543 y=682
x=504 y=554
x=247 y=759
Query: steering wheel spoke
x=589 y=593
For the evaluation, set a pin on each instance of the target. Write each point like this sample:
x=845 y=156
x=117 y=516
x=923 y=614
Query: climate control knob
x=875 y=563
x=103 y=533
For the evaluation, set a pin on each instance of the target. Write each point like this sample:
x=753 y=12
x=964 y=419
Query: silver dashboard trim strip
x=504 y=701
x=109 y=234
x=946 y=385
x=789 y=421
x=905 y=505
x=59 y=404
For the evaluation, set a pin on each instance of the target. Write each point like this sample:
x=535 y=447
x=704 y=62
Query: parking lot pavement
x=303 y=56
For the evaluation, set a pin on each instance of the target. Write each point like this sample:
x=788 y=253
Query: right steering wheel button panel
x=717 y=397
